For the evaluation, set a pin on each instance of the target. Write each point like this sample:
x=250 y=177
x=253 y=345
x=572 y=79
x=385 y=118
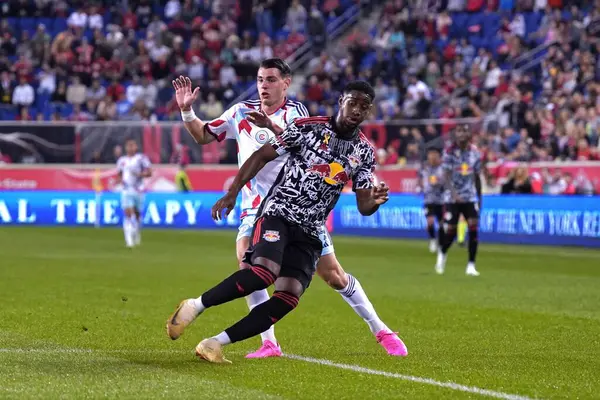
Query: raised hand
x=380 y=193
x=260 y=119
x=183 y=93
x=226 y=203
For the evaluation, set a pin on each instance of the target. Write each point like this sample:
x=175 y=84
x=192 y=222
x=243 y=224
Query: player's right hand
x=226 y=203
x=183 y=93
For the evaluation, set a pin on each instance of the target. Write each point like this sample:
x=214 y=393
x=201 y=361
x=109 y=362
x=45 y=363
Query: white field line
x=348 y=367
x=410 y=378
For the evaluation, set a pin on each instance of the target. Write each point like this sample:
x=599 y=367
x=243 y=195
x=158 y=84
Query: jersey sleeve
x=145 y=162
x=364 y=178
x=289 y=141
x=297 y=111
x=477 y=164
x=120 y=165
x=447 y=161
x=223 y=127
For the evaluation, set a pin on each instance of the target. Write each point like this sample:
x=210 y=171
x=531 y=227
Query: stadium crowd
x=524 y=74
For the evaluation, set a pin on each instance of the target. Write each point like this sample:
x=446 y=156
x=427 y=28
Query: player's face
x=131 y=147
x=462 y=136
x=271 y=86
x=433 y=157
x=355 y=107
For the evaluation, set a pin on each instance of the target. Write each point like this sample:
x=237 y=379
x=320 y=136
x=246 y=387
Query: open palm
x=183 y=92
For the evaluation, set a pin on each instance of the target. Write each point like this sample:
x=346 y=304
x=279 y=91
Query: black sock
x=449 y=237
x=441 y=236
x=239 y=284
x=473 y=243
x=262 y=316
x=431 y=231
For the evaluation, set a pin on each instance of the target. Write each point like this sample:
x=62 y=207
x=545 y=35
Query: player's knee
x=450 y=229
x=267 y=264
x=289 y=285
x=473 y=225
x=330 y=270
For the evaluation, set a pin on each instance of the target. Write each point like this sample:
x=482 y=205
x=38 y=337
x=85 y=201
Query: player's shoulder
x=298 y=106
x=319 y=120
x=474 y=148
x=121 y=160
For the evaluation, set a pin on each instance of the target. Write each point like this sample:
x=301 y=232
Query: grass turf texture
x=84 y=317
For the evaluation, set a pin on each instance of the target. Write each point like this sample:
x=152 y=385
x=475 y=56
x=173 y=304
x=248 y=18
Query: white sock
x=254 y=299
x=222 y=338
x=354 y=295
x=199 y=305
x=128 y=232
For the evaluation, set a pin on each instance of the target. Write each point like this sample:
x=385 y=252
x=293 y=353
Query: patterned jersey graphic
x=317 y=169
x=234 y=125
x=432 y=182
x=464 y=165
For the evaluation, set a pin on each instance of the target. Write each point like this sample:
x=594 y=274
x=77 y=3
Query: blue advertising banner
x=509 y=219
x=547 y=220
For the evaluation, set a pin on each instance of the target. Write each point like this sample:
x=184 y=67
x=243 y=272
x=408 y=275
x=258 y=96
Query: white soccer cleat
x=433 y=246
x=471 y=271
x=440 y=265
x=184 y=315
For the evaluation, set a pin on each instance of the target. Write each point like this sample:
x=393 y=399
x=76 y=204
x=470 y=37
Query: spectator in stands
x=296 y=16
x=518 y=182
x=263 y=15
x=212 y=108
x=23 y=94
x=149 y=93
x=134 y=90
x=6 y=88
x=76 y=92
x=107 y=109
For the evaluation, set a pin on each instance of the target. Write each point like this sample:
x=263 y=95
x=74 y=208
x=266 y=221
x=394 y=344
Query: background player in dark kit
x=462 y=165
x=431 y=182
x=285 y=245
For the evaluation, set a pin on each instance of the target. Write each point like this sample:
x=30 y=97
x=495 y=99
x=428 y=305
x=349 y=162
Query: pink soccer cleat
x=268 y=349
x=392 y=343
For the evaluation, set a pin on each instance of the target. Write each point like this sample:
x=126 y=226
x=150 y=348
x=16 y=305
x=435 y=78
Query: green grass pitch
x=83 y=317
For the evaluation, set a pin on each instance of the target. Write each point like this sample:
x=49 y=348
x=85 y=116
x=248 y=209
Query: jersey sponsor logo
x=333 y=173
x=271 y=236
x=465 y=169
x=433 y=179
x=262 y=136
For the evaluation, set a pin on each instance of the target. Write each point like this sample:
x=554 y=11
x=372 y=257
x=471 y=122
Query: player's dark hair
x=360 y=86
x=279 y=64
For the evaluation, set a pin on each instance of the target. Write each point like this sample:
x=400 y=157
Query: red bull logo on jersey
x=333 y=174
x=464 y=169
x=271 y=236
x=433 y=179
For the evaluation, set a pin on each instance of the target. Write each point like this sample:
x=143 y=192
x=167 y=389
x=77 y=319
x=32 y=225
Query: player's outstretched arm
x=251 y=167
x=185 y=98
x=369 y=200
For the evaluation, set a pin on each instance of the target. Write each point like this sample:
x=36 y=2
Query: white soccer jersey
x=131 y=168
x=234 y=125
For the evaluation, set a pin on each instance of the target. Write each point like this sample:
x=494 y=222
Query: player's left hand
x=260 y=119
x=380 y=193
x=226 y=203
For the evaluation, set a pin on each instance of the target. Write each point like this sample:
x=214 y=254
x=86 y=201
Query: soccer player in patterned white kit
x=252 y=124
x=132 y=168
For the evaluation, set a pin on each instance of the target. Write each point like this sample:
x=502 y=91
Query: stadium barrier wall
x=554 y=220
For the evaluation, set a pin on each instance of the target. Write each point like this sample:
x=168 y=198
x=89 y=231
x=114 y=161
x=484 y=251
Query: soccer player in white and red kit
x=252 y=124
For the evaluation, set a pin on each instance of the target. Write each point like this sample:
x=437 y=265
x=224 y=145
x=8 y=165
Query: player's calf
x=239 y=284
x=473 y=245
